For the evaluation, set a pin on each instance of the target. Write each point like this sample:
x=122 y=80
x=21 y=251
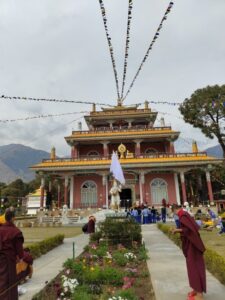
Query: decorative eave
x=195 y=159
x=123 y=134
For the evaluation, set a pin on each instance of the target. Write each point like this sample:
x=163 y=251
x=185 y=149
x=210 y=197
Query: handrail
x=141 y=156
x=121 y=129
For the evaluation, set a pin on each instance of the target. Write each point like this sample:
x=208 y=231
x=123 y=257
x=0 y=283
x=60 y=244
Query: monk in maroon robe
x=11 y=248
x=91 y=224
x=193 y=249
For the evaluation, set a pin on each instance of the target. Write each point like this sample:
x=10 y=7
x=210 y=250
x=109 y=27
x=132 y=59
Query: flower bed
x=215 y=263
x=105 y=271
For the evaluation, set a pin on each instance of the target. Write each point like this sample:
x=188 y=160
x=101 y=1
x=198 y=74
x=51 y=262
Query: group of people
x=147 y=215
x=15 y=262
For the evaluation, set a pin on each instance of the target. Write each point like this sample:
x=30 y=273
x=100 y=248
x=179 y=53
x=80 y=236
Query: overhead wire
x=51 y=100
x=150 y=47
x=109 y=40
x=41 y=117
x=127 y=45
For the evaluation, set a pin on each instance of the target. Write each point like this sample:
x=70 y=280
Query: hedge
x=42 y=247
x=215 y=263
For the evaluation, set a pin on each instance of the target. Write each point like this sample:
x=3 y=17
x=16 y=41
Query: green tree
x=205 y=109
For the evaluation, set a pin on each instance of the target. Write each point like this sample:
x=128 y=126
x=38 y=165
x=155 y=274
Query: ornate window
x=93 y=154
x=89 y=194
x=158 y=188
x=151 y=152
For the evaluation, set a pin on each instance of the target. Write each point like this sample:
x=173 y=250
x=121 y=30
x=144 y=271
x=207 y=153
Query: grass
x=36 y=234
x=213 y=241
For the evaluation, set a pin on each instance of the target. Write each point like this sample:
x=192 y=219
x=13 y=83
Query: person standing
x=145 y=215
x=193 y=249
x=163 y=214
x=91 y=224
x=11 y=249
x=153 y=212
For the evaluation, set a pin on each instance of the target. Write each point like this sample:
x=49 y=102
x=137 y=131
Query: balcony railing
x=141 y=156
x=121 y=129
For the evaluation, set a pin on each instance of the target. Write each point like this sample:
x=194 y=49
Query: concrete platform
x=167 y=267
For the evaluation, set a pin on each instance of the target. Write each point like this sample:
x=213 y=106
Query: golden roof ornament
x=122 y=149
x=194 y=147
x=53 y=154
x=119 y=102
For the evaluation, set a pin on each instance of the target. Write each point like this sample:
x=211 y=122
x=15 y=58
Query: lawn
x=214 y=241
x=32 y=235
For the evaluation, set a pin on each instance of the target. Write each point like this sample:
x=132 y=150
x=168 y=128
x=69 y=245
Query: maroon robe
x=193 y=249
x=91 y=226
x=11 y=247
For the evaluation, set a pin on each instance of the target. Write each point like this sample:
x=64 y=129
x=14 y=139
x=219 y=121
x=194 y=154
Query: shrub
x=100 y=251
x=95 y=237
x=42 y=247
x=128 y=294
x=74 y=266
x=81 y=293
x=92 y=275
x=142 y=254
x=215 y=263
x=119 y=258
x=121 y=230
x=112 y=276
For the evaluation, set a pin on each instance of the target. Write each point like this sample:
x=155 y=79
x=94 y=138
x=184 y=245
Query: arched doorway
x=159 y=191
x=126 y=198
x=89 y=194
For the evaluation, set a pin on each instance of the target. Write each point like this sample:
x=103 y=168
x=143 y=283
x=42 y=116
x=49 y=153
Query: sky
x=58 y=49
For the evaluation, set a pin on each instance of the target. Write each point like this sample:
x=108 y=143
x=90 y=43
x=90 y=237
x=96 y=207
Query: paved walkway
x=168 y=269
x=49 y=265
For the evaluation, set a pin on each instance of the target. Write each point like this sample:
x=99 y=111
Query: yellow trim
x=123 y=133
x=122 y=161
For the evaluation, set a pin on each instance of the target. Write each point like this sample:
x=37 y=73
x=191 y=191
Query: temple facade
x=152 y=168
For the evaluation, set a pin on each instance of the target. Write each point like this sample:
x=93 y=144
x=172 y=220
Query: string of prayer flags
x=127 y=46
x=41 y=117
x=109 y=40
x=168 y=10
x=51 y=100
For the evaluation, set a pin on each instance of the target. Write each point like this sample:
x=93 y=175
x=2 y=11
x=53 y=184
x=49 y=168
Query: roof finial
x=119 y=102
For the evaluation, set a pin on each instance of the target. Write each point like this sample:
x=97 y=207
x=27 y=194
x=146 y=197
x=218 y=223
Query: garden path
x=48 y=266
x=168 y=268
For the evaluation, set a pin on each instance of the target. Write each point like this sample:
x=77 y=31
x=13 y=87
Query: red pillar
x=105 y=149
x=74 y=151
x=209 y=185
x=142 y=187
x=183 y=187
x=171 y=148
x=66 y=190
x=42 y=192
x=59 y=196
x=138 y=148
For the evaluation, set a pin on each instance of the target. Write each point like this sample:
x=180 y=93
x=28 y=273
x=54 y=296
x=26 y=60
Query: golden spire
x=194 y=147
x=53 y=154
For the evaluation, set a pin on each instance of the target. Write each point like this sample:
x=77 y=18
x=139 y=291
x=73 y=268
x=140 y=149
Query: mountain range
x=15 y=160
